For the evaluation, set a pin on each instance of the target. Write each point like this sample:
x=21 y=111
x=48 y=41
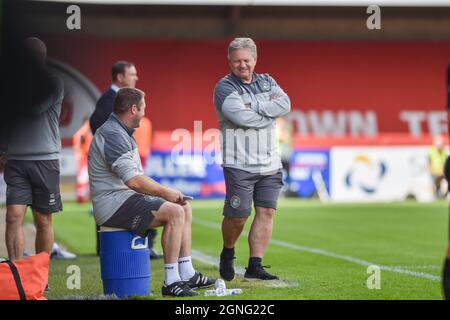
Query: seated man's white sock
x=171 y=273
x=185 y=268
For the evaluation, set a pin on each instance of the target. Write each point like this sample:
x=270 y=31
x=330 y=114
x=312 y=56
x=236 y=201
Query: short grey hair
x=242 y=43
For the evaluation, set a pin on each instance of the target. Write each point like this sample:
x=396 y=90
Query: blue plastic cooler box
x=124 y=263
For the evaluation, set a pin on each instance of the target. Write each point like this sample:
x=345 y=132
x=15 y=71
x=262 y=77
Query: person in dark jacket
x=124 y=74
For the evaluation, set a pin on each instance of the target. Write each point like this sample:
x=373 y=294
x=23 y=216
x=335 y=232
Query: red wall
x=179 y=75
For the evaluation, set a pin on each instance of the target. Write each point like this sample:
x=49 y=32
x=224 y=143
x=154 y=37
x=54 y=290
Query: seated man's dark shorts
x=135 y=214
x=33 y=183
x=244 y=187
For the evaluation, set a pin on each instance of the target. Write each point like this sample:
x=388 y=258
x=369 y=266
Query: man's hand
x=173 y=195
x=2 y=163
x=147 y=185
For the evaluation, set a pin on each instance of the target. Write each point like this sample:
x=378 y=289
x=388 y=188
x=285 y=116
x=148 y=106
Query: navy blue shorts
x=244 y=187
x=33 y=183
x=135 y=214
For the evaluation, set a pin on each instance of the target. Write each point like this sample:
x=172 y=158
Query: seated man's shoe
x=155 y=255
x=258 y=273
x=178 y=289
x=59 y=253
x=226 y=267
x=198 y=280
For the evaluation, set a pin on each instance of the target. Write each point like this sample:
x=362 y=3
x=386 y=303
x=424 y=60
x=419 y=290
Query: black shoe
x=226 y=267
x=259 y=273
x=200 y=281
x=47 y=288
x=155 y=255
x=178 y=289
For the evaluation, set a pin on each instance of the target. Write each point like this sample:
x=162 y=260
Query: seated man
x=123 y=197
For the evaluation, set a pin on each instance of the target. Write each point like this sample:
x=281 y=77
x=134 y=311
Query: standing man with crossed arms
x=247 y=105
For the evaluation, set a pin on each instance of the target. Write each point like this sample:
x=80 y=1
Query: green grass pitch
x=320 y=251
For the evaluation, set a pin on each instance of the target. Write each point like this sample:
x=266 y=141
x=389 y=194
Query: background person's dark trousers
x=151 y=242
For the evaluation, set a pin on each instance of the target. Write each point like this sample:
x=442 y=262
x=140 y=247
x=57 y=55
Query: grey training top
x=113 y=160
x=247 y=114
x=36 y=136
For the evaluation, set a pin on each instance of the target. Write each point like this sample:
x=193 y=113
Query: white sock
x=171 y=273
x=186 y=269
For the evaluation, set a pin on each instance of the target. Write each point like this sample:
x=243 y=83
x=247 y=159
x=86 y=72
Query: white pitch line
x=431 y=266
x=325 y=253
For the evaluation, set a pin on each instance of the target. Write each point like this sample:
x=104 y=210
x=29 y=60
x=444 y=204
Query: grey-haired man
x=247 y=105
